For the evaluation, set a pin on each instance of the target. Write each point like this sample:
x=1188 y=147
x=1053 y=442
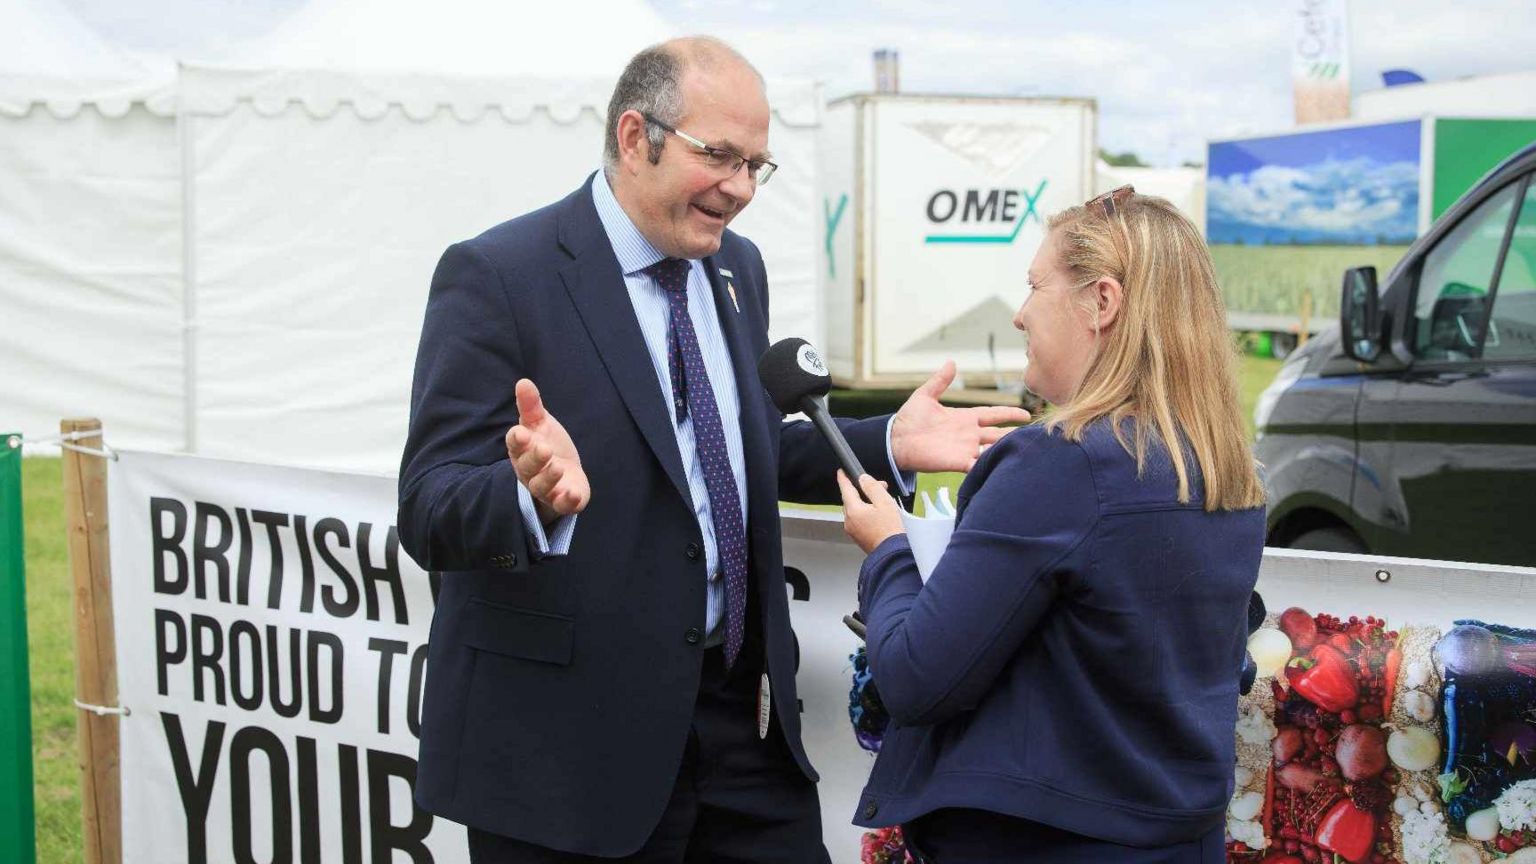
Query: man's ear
x=1110 y=295
x=634 y=145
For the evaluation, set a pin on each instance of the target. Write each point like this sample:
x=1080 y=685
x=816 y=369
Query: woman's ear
x=1110 y=294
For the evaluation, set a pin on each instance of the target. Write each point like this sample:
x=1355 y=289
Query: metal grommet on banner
x=103 y=710
x=1383 y=576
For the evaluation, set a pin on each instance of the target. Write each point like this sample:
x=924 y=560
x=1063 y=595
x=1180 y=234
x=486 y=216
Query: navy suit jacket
x=560 y=690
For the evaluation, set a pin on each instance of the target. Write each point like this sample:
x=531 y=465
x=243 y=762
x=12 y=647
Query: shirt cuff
x=558 y=540
x=907 y=480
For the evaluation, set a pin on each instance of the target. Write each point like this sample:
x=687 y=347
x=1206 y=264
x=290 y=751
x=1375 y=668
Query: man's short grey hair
x=652 y=84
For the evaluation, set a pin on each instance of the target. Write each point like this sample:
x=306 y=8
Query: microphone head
x=790 y=371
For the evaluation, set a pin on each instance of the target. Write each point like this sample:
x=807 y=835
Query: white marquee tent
x=90 y=231
x=303 y=188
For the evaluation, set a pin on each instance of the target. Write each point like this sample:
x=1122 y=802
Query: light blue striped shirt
x=635 y=253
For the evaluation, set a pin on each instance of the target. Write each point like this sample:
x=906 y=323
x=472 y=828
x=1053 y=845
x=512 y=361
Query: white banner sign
x=271 y=646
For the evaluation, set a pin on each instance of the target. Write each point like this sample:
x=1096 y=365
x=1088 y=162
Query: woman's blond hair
x=1167 y=362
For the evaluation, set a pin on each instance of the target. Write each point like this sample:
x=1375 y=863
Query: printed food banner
x=1370 y=745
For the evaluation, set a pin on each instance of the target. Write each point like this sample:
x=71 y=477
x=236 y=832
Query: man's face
x=683 y=203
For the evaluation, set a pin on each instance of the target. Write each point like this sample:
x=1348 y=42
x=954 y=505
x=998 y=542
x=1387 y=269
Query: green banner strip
x=17 y=841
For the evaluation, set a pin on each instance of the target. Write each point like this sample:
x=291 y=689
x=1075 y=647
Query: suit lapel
x=740 y=321
x=596 y=287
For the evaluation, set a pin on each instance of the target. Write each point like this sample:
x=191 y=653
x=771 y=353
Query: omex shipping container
x=933 y=208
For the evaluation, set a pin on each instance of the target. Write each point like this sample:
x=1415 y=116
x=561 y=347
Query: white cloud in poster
x=1358 y=196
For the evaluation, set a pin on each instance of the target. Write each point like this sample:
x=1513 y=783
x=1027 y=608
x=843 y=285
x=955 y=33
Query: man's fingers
x=992 y=415
x=572 y=497
x=530 y=406
x=563 y=486
x=939 y=381
x=532 y=461
x=518 y=439
x=542 y=483
x=991 y=435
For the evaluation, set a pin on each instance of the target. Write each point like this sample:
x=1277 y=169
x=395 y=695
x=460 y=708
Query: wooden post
x=1306 y=314
x=85 y=499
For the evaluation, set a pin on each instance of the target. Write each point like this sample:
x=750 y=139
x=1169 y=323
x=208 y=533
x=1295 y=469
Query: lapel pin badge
x=731 y=289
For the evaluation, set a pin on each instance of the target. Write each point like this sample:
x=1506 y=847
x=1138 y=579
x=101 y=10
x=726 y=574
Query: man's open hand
x=545 y=458
x=928 y=436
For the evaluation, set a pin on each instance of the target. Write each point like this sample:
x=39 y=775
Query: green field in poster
x=1273 y=279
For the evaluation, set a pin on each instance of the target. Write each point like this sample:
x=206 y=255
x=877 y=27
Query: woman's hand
x=869 y=524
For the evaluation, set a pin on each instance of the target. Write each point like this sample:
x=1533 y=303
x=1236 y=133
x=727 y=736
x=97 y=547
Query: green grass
x=1272 y=279
x=50 y=631
x=51 y=648
x=1253 y=375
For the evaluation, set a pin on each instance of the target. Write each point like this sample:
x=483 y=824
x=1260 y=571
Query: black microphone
x=797 y=380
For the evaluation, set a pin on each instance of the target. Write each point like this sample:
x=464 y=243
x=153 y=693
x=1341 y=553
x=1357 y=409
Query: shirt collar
x=635 y=253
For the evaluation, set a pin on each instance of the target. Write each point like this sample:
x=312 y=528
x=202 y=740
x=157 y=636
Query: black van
x=1411 y=429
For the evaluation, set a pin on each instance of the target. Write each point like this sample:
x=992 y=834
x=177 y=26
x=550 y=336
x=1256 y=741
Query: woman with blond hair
x=1064 y=687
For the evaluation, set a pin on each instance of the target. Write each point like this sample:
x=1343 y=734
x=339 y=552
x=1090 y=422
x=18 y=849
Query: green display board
x=1466 y=149
x=17 y=842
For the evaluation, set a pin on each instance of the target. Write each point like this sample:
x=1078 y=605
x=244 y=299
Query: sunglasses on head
x=1111 y=198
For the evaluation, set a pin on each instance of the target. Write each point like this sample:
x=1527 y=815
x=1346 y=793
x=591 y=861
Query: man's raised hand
x=928 y=436
x=545 y=458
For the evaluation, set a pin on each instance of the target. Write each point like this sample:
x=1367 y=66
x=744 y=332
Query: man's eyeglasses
x=758 y=169
x=1110 y=199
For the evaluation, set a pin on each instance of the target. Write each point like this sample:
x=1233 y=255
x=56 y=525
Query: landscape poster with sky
x=1287 y=214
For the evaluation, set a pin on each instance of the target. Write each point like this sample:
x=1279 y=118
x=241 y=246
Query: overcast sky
x=1167 y=75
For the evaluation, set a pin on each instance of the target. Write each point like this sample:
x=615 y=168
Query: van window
x=1512 y=329
x=1453 y=286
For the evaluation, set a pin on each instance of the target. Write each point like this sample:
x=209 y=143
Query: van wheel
x=1331 y=539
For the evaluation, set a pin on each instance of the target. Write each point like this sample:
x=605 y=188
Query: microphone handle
x=817 y=411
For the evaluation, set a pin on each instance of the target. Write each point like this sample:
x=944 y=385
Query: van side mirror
x=1358 y=319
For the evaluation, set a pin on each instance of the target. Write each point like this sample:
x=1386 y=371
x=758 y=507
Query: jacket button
x=693 y=636
x=871 y=809
x=512 y=560
x=692 y=551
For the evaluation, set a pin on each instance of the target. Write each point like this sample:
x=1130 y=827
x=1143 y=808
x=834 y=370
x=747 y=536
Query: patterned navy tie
x=691 y=388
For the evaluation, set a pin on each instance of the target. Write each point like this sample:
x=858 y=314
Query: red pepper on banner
x=1325 y=679
x=1348 y=831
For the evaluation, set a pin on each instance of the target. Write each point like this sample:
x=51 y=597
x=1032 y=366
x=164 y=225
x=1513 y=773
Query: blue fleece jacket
x=1072 y=659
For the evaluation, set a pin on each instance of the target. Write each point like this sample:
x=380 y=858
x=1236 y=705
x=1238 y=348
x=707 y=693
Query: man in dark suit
x=611 y=663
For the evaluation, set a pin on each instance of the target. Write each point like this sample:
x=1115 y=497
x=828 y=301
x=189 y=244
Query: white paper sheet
x=928 y=534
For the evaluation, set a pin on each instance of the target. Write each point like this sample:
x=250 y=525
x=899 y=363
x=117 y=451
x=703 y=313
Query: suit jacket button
x=871 y=809
x=692 y=551
x=693 y=636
